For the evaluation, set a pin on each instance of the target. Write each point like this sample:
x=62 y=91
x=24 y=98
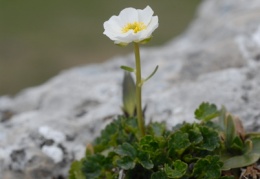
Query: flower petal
x=152 y=26
x=127 y=37
x=110 y=30
x=110 y=26
x=128 y=15
x=145 y=15
x=117 y=21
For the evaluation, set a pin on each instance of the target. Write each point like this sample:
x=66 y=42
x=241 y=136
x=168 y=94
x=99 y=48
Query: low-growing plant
x=216 y=146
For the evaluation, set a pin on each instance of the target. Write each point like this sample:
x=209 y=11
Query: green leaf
x=188 y=158
x=75 y=171
x=157 y=128
x=195 y=135
x=230 y=131
x=130 y=127
x=126 y=163
x=144 y=160
x=129 y=98
x=126 y=68
x=149 y=144
x=222 y=118
x=208 y=167
x=116 y=133
x=193 y=131
x=179 y=142
x=126 y=149
x=108 y=137
x=206 y=112
x=159 y=175
x=179 y=169
x=160 y=158
x=210 y=139
x=248 y=147
x=237 y=145
x=93 y=165
x=256 y=145
x=240 y=161
x=151 y=75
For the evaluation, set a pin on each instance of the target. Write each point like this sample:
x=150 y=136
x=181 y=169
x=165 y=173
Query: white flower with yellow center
x=131 y=25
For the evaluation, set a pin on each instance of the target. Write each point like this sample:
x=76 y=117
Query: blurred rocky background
x=217 y=59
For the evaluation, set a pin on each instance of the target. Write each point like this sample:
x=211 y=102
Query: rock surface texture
x=42 y=129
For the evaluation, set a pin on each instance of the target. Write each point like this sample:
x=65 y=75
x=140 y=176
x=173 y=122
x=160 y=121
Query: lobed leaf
x=179 y=169
x=93 y=165
x=208 y=167
x=149 y=144
x=210 y=138
x=126 y=163
x=178 y=142
x=156 y=128
x=194 y=133
x=206 y=112
x=108 y=136
x=126 y=149
x=145 y=161
x=119 y=131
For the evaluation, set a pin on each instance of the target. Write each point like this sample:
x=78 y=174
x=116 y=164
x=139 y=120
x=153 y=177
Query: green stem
x=139 y=90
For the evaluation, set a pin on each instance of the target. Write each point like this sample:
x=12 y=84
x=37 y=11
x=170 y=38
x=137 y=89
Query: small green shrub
x=214 y=148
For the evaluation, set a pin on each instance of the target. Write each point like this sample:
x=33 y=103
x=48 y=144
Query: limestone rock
x=217 y=59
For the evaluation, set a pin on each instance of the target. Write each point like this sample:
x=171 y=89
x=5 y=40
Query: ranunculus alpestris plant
x=137 y=26
x=217 y=147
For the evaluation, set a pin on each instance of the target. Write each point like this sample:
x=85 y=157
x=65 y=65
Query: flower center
x=135 y=26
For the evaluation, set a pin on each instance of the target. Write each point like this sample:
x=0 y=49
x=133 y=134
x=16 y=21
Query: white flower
x=131 y=25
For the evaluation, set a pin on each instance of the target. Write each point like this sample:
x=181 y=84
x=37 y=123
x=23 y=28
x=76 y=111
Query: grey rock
x=44 y=128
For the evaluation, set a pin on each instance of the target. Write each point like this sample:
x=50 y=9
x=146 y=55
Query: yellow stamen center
x=135 y=26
